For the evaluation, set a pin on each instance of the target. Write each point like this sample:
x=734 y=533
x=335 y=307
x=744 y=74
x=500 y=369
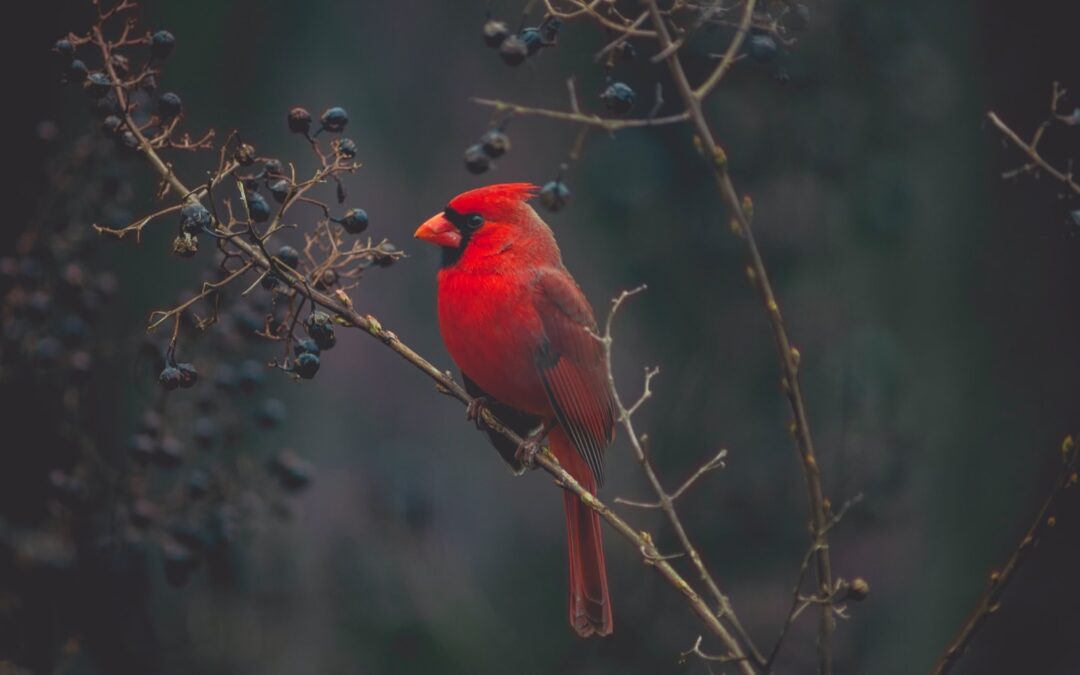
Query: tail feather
x=590 y=604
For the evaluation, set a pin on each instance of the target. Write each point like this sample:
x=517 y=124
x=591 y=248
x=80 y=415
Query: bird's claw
x=526 y=453
x=474 y=412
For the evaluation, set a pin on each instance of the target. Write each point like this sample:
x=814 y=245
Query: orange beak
x=439 y=231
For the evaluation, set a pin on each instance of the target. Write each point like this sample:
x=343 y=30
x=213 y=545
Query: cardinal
x=521 y=331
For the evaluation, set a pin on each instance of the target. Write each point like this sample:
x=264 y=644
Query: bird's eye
x=473 y=221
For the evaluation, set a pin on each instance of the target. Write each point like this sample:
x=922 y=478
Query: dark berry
x=170 y=378
x=618 y=97
x=476 y=160
x=270 y=414
x=354 y=221
x=270 y=281
x=495 y=143
x=142 y=447
x=334 y=119
x=306 y=365
x=257 y=207
x=64 y=49
x=97 y=85
x=291 y=470
x=299 y=121
x=513 y=51
x=387 y=254
x=305 y=346
x=194 y=218
x=111 y=127
x=346 y=147
x=327 y=279
x=170 y=452
x=321 y=330
x=169 y=105
x=279 y=190
x=289 y=256
x=252 y=375
x=198 y=483
x=274 y=167
x=129 y=140
x=188 y=375
x=205 y=432
x=533 y=40
x=179 y=562
x=161 y=44
x=763 y=48
x=77 y=71
x=495 y=32
x=554 y=196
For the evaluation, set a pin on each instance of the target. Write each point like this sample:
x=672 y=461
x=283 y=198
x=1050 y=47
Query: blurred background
x=934 y=305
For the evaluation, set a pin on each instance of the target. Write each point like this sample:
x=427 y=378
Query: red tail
x=590 y=604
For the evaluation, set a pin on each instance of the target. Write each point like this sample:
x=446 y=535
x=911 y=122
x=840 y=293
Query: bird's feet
x=527 y=451
x=474 y=412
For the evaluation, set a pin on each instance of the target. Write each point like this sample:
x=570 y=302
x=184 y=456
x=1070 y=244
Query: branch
x=605 y=123
x=999 y=580
x=787 y=354
x=666 y=501
x=1031 y=149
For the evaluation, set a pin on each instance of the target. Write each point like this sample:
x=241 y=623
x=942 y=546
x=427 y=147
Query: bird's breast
x=492 y=331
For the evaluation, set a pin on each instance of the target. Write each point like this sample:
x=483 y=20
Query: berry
x=97 y=85
x=170 y=378
x=307 y=364
x=77 y=71
x=299 y=121
x=179 y=562
x=111 y=127
x=763 y=48
x=205 y=431
x=495 y=32
x=334 y=120
x=64 y=49
x=858 y=589
x=291 y=470
x=476 y=160
x=252 y=375
x=170 y=452
x=194 y=218
x=513 y=51
x=495 y=143
x=129 y=140
x=188 y=375
x=270 y=414
x=161 y=44
x=354 y=221
x=305 y=346
x=533 y=40
x=269 y=281
x=258 y=209
x=327 y=279
x=169 y=105
x=618 y=98
x=198 y=483
x=289 y=256
x=321 y=330
x=554 y=196
x=386 y=256
x=279 y=190
x=346 y=147
x=274 y=167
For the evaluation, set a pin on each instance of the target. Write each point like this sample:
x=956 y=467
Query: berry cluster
x=493 y=144
x=516 y=48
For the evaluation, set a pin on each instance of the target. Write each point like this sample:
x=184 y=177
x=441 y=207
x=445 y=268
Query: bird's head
x=484 y=220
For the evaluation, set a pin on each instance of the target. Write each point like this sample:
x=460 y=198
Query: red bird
x=522 y=333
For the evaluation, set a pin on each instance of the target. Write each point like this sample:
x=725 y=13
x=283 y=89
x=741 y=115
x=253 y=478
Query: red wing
x=572 y=367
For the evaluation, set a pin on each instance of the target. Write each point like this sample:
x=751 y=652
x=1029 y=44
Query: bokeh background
x=934 y=305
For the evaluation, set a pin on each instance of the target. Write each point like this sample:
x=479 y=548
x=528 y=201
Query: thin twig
x=990 y=600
